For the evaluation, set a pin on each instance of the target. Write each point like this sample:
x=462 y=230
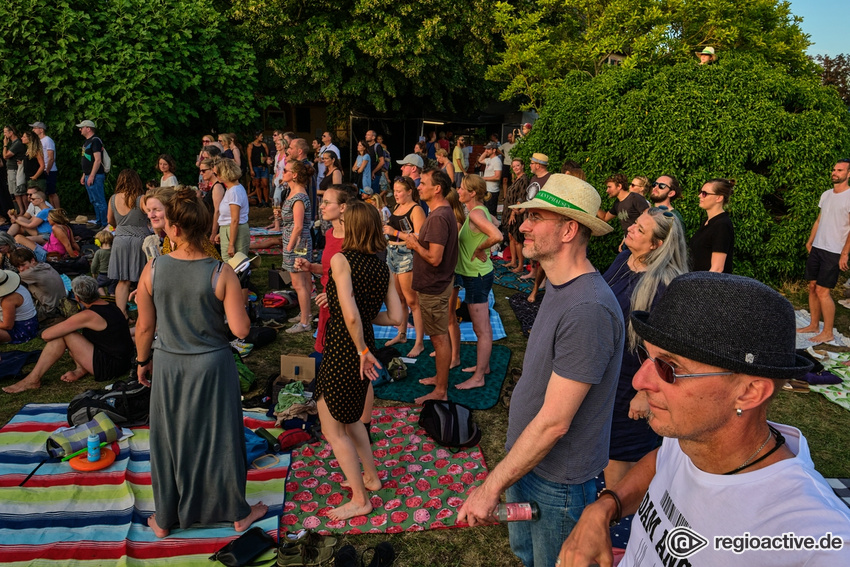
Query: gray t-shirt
x=578 y=334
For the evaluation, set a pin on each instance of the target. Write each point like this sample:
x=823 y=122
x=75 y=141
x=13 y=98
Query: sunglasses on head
x=666 y=371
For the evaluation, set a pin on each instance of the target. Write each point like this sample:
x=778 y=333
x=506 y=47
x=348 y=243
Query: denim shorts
x=40 y=253
x=399 y=258
x=23 y=331
x=261 y=172
x=477 y=288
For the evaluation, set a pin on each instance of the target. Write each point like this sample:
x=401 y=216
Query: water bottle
x=518 y=512
x=271 y=440
x=94 y=448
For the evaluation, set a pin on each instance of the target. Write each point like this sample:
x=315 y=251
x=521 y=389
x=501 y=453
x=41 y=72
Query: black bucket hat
x=732 y=322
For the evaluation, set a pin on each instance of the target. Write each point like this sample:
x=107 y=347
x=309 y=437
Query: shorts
x=40 y=253
x=399 y=258
x=435 y=311
x=822 y=268
x=106 y=283
x=24 y=331
x=477 y=288
x=261 y=172
x=12 y=180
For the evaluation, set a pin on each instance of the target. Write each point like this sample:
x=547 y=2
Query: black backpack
x=126 y=403
x=449 y=424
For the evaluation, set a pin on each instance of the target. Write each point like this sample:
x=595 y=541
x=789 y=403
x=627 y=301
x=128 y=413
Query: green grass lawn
x=821 y=421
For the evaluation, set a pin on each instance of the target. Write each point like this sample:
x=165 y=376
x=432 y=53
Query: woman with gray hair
x=103 y=347
x=654 y=253
x=7 y=244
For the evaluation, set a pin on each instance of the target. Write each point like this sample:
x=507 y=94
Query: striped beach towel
x=64 y=517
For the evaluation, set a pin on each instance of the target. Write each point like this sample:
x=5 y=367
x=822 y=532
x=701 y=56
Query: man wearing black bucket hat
x=726 y=487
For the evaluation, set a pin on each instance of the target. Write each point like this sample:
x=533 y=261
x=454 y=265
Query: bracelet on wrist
x=144 y=362
x=364 y=351
x=606 y=491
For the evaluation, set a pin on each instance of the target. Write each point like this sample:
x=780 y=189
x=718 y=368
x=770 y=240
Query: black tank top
x=115 y=339
x=258 y=155
x=395 y=221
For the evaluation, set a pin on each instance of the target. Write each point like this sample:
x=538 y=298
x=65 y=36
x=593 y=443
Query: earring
x=739 y=412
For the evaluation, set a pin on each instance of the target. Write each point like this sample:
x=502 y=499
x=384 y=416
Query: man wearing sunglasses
x=665 y=189
x=828 y=246
x=560 y=416
x=717 y=347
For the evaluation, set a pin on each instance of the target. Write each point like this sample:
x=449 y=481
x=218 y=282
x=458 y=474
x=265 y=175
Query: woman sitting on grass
x=20 y=319
x=103 y=347
x=61 y=240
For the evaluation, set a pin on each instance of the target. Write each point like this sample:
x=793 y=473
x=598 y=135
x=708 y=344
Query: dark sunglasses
x=704 y=194
x=666 y=371
x=205 y=170
x=662 y=186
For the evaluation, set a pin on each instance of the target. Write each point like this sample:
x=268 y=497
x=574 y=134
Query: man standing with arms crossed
x=94 y=175
x=560 y=416
x=828 y=246
x=434 y=261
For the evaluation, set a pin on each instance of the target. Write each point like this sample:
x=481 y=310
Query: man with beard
x=665 y=189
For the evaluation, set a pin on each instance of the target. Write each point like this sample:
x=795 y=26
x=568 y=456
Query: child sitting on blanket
x=100 y=263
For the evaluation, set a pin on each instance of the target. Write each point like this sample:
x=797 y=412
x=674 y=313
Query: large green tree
x=546 y=39
x=152 y=74
x=776 y=134
x=408 y=56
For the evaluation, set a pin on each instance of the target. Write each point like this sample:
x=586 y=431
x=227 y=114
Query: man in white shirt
x=327 y=145
x=48 y=146
x=492 y=175
x=726 y=487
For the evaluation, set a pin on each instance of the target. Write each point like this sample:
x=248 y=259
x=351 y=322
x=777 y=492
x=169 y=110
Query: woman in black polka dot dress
x=360 y=283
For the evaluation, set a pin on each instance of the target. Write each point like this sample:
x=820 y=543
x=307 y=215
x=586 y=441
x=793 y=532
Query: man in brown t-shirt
x=434 y=261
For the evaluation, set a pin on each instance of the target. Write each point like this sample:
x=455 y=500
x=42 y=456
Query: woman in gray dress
x=131 y=228
x=197 y=445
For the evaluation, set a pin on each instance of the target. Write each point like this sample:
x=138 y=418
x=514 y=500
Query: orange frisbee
x=82 y=463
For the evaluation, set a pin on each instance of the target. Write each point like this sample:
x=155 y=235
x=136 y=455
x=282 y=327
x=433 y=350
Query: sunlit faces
x=840 y=172
x=464 y=195
x=542 y=231
x=639 y=236
x=163 y=166
x=613 y=189
x=516 y=167
x=401 y=194
x=708 y=198
x=25 y=139
x=156 y=213
x=329 y=206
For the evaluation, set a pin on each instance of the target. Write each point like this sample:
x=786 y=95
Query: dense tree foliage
x=777 y=135
x=406 y=56
x=153 y=75
x=546 y=39
x=836 y=72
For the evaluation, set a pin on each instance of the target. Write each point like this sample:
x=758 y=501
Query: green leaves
x=776 y=134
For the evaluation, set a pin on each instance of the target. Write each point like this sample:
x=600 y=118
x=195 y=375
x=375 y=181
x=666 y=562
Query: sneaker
x=296 y=319
x=299 y=328
x=273 y=324
x=242 y=347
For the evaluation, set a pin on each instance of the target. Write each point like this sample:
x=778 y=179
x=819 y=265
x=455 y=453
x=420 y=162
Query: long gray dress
x=127 y=259
x=197 y=442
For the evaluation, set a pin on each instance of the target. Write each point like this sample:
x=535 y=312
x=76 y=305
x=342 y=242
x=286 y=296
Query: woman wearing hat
x=655 y=253
x=102 y=346
x=20 y=320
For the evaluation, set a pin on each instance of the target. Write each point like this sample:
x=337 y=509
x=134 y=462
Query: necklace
x=780 y=440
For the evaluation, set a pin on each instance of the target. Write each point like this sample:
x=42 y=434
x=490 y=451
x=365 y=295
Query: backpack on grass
x=449 y=424
x=126 y=403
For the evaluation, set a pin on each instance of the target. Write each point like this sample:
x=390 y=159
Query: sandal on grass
x=383 y=555
x=346 y=557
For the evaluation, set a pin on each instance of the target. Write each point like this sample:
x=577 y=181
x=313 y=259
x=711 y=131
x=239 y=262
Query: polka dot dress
x=339 y=376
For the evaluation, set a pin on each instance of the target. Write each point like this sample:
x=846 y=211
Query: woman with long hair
x=231 y=147
x=193 y=355
x=153 y=203
x=233 y=231
x=360 y=283
x=407 y=216
x=34 y=171
x=131 y=228
x=655 y=253
x=362 y=169
x=445 y=163
x=295 y=214
x=333 y=172
x=60 y=241
x=215 y=191
x=713 y=244
x=516 y=193
x=167 y=167
x=475 y=271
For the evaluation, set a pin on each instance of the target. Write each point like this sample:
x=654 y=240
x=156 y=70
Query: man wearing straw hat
x=726 y=487
x=560 y=416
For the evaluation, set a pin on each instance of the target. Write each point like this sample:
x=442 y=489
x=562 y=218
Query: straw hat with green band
x=9 y=282
x=571 y=197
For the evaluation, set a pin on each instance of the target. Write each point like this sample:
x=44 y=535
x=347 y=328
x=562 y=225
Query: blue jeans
x=537 y=544
x=97 y=198
x=376 y=182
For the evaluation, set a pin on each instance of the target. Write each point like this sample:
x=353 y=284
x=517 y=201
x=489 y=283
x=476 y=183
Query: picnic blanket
x=423 y=483
x=525 y=312
x=466 y=333
x=62 y=516
x=803 y=319
x=841 y=487
x=506 y=278
x=485 y=397
x=836 y=393
x=262 y=233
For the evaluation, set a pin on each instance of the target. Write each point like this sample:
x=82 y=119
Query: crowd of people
x=600 y=388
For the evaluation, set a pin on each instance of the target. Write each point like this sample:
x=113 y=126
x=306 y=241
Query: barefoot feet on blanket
x=371 y=484
x=74 y=375
x=434 y=395
x=809 y=329
x=157 y=531
x=474 y=368
x=528 y=276
x=474 y=382
x=23 y=386
x=258 y=510
x=350 y=510
x=398 y=339
x=430 y=381
x=823 y=337
x=415 y=351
